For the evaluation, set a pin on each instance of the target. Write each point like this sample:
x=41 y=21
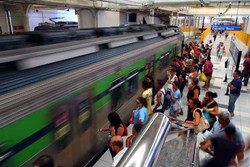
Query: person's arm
x=196 y=93
x=205 y=66
x=196 y=120
x=158 y=101
x=240 y=154
x=141 y=117
x=104 y=129
x=231 y=86
x=112 y=131
x=203 y=102
x=206 y=145
x=214 y=111
x=128 y=141
x=176 y=79
x=173 y=99
x=120 y=131
x=195 y=74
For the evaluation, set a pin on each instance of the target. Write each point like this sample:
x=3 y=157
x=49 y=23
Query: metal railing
x=145 y=150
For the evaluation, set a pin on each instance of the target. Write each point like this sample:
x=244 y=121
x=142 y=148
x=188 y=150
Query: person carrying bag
x=203 y=124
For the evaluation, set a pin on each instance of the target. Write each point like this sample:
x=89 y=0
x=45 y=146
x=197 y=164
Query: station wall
x=108 y=18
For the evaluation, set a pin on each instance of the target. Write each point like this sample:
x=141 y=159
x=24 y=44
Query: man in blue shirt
x=235 y=87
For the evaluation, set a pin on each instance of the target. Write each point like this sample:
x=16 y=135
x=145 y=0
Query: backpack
x=166 y=101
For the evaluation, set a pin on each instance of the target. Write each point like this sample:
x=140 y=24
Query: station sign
x=226 y=27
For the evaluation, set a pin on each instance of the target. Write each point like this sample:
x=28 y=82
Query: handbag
x=203 y=124
x=203 y=77
x=132 y=118
x=177 y=105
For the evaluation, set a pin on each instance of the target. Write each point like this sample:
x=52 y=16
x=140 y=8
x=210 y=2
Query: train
x=22 y=40
x=58 y=108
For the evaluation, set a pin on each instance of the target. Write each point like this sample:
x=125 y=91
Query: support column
x=198 y=22
x=9 y=21
x=26 y=8
x=171 y=19
x=177 y=19
x=189 y=25
x=87 y=18
x=203 y=23
x=151 y=17
x=185 y=20
x=247 y=25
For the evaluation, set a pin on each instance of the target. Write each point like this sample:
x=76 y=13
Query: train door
x=164 y=61
x=117 y=93
x=174 y=51
x=62 y=125
x=132 y=83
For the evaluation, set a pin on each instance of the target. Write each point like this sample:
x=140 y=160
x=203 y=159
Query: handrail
x=145 y=150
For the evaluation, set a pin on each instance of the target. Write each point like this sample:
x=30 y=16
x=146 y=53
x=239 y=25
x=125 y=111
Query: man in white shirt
x=116 y=144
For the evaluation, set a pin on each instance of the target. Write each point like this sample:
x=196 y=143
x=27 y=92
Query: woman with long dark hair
x=194 y=118
x=116 y=128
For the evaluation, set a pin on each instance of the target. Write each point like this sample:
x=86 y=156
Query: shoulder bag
x=203 y=124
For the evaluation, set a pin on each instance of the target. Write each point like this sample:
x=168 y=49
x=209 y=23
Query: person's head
x=247 y=55
x=145 y=85
x=136 y=129
x=149 y=79
x=210 y=96
x=210 y=41
x=236 y=74
x=221 y=43
x=44 y=161
x=195 y=81
x=230 y=130
x=172 y=72
x=194 y=68
x=140 y=101
x=194 y=103
x=182 y=76
x=176 y=85
x=116 y=143
x=224 y=117
x=115 y=119
x=159 y=84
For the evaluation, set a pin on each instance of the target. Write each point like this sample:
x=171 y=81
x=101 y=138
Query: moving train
x=38 y=38
x=58 y=108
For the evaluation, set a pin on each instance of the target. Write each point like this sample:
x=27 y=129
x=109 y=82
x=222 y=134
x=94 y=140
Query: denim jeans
x=232 y=100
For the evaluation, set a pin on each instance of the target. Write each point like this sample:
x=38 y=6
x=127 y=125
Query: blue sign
x=226 y=27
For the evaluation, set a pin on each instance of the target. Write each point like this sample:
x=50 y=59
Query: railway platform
x=175 y=145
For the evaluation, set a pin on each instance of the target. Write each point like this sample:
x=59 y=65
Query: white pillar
x=177 y=19
x=151 y=17
x=189 y=24
x=86 y=18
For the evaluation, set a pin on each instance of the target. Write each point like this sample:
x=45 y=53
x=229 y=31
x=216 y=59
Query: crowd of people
x=185 y=72
x=225 y=142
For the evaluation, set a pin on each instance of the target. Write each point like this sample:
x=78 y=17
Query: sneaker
x=226 y=94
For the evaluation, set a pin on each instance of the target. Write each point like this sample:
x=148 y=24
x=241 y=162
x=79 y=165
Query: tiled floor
x=242 y=109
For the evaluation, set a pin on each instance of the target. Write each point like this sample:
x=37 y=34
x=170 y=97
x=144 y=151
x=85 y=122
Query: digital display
x=236 y=54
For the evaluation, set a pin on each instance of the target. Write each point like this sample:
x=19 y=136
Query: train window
x=83 y=115
x=62 y=125
x=132 y=83
x=164 y=60
x=174 y=51
x=117 y=93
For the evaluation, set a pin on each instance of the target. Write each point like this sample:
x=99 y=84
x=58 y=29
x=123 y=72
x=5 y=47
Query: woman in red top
x=208 y=71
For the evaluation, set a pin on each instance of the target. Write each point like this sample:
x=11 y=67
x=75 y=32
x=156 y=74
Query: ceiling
x=183 y=7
